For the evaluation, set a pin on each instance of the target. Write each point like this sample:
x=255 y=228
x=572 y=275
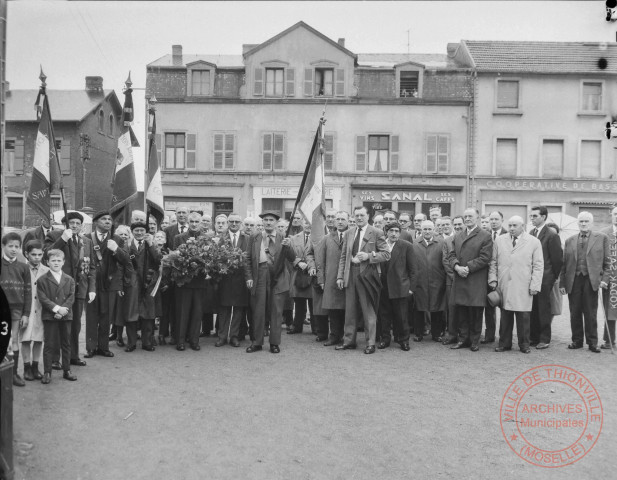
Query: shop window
x=273 y=151
x=590 y=159
x=506 y=157
x=552 y=158
x=591 y=100
x=15 y=212
x=507 y=94
x=437 y=153
x=224 y=151
x=14 y=156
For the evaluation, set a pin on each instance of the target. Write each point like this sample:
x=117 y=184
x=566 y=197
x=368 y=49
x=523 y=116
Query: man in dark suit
x=397 y=280
x=37 y=233
x=541 y=317
x=78 y=263
x=585 y=269
x=109 y=260
x=232 y=292
x=495 y=220
x=471 y=253
x=268 y=280
x=608 y=296
x=181 y=226
x=363 y=246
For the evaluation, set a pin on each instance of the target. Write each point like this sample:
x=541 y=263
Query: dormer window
x=200 y=79
x=201 y=82
x=409 y=79
x=274 y=82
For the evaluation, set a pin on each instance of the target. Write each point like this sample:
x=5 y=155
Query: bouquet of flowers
x=203 y=256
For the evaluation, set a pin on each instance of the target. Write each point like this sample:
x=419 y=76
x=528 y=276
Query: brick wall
x=447 y=85
x=375 y=84
x=166 y=82
x=228 y=83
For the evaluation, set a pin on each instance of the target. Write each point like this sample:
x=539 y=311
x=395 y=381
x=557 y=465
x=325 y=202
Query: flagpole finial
x=152 y=103
x=42 y=77
x=128 y=81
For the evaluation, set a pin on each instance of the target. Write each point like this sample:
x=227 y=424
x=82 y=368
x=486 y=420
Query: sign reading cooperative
x=288 y=192
x=548 y=185
x=387 y=195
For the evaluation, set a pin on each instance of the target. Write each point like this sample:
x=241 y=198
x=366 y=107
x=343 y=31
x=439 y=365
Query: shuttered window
x=340 y=82
x=63 y=146
x=224 y=150
x=14 y=156
x=590 y=158
x=190 y=150
x=328 y=156
x=174 y=150
x=15 y=214
x=507 y=93
x=437 y=153
x=592 y=96
x=505 y=157
x=361 y=153
x=394 y=164
x=274 y=82
x=324 y=82
x=377 y=153
x=308 y=82
x=273 y=151
x=552 y=158
x=290 y=82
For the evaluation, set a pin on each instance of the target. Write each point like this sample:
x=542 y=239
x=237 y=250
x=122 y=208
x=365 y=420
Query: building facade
x=87 y=124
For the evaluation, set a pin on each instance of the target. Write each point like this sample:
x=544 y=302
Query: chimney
x=341 y=42
x=176 y=54
x=94 y=84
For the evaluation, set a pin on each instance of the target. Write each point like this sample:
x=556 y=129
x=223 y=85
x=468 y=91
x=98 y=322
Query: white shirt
x=390 y=245
x=362 y=232
x=469 y=230
x=234 y=238
x=57 y=275
x=540 y=229
x=8 y=259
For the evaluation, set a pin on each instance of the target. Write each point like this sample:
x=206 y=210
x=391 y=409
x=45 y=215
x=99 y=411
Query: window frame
x=322 y=71
x=409 y=67
x=6 y=215
x=518 y=152
x=601 y=111
x=101 y=122
x=518 y=110
x=164 y=149
x=201 y=72
x=283 y=151
x=579 y=159
x=61 y=141
x=368 y=152
x=541 y=155
x=224 y=150
x=425 y=162
x=9 y=163
x=266 y=83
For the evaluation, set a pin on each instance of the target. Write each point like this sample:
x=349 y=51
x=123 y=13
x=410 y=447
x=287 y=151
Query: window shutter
x=258 y=87
x=65 y=157
x=230 y=144
x=360 y=153
x=505 y=157
x=266 y=152
x=279 y=150
x=18 y=159
x=507 y=94
x=431 y=154
x=190 y=150
x=328 y=157
x=442 y=154
x=218 y=150
x=394 y=152
x=340 y=82
x=158 y=138
x=308 y=82
x=290 y=82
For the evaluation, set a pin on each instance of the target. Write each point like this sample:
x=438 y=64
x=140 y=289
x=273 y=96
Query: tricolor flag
x=311 y=201
x=154 y=193
x=45 y=166
x=124 y=184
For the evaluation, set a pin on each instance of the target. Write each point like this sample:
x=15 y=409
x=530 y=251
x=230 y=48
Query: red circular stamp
x=551 y=416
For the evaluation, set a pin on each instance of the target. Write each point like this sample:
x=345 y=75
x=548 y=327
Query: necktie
x=340 y=238
x=305 y=239
x=234 y=240
x=534 y=232
x=494 y=235
x=141 y=243
x=182 y=227
x=356 y=243
x=513 y=241
x=102 y=238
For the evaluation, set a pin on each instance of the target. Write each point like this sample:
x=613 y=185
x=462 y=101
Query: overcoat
x=34 y=331
x=232 y=289
x=517 y=270
x=139 y=302
x=430 y=287
x=327 y=260
x=400 y=271
x=280 y=253
x=598 y=261
x=473 y=251
x=300 y=249
x=109 y=267
x=312 y=253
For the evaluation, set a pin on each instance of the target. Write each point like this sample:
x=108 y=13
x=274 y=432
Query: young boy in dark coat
x=56 y=292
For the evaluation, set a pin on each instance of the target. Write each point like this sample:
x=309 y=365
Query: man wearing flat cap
x=267 y=277
x=78 y=255
x=109 y=260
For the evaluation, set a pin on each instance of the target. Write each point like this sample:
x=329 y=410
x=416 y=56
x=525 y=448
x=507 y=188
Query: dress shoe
x=234 y=342
x=574 y=346
x=172 y=341
x=330 y=343
x=594 y=349
x=405 y=347
x=474 y=348
x=120 y=342
x=487 y=340
x=369 y=349
x=253 y=348
x=195 y=346
x=35 y=371
x=90 y=354
x=437 y=339
x=180 y=347
x=113 y=336
x=56 y=366
x=46 y=378
x=526 y=350
x=500 y=349
x=417 y=339
x=293 y=331
x=68 y=375
x=28 y=372
x=220 y=343
x=275 y=349
x=534 y=344
x=321 y=338
x=78 y=362
x=162 y=340
x=449 y=341
x=148 y=348
x=105 y=353
x=345 y=347
x=458 y=345
x=606 y=346
x=130 y=348
x=18 y=381
x=383 y=345
x=541 y=346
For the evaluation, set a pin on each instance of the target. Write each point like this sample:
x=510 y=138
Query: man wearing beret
x=78 y=254
x=109 y=260
x=267 y=277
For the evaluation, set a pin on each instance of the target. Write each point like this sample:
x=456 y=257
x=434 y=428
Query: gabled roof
x=390 y=60
x=65 y=105
x=291 y=29
x=542 y=57
x=221 y=61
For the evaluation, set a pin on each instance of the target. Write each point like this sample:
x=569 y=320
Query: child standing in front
x=15 y=281
x=56 y=292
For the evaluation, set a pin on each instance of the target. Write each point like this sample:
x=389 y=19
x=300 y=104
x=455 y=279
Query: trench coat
x=34 y=331
x=517 y=270
x=327 y=260
x=430 y=287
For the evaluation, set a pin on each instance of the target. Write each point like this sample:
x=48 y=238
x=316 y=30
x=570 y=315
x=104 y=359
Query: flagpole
x=151 y=111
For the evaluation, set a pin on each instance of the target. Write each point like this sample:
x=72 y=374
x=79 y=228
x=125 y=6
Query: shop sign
x=548 y=185
x=409 y=196
x=288 y=192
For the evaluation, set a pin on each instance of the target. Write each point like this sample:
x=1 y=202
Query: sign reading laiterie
x=288 y=192
x=549 y=185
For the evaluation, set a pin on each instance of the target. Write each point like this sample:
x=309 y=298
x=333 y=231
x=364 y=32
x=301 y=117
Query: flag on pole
x=45 y=165
x=124 y=184
x=311 y=201
x=154 y=193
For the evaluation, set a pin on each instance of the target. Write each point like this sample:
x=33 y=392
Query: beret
x=72 y=216
x=135 y=225
x=99 y=214
x=270 y=213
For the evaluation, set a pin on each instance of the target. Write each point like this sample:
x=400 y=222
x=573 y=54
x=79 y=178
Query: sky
x=72 y=40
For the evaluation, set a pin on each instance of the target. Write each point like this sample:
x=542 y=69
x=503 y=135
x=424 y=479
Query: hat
x=71 y=216
x=135 y=225
x=494 y=298
x=392 y=225
x=271 y=213
x=99 y=214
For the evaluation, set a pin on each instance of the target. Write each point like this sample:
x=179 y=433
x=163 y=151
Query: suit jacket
x=400 y=270
x=314 y=251
x=517 y=270
x=430 y=286
x=171 y=233
x=81 y=270
x=36 y=233
x=300 y=251
x=232 y=289
x=110 y=268
x=553 y=255
x=474 y=251
x=501 y=231
x=447 y=247
x=598 y=262
x=51 y=294
x=181 y=238
x=327 y=258
x=373 y=241
x=280 y=274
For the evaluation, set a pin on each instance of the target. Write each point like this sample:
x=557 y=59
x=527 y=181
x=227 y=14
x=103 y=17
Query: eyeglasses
x=234 y=221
